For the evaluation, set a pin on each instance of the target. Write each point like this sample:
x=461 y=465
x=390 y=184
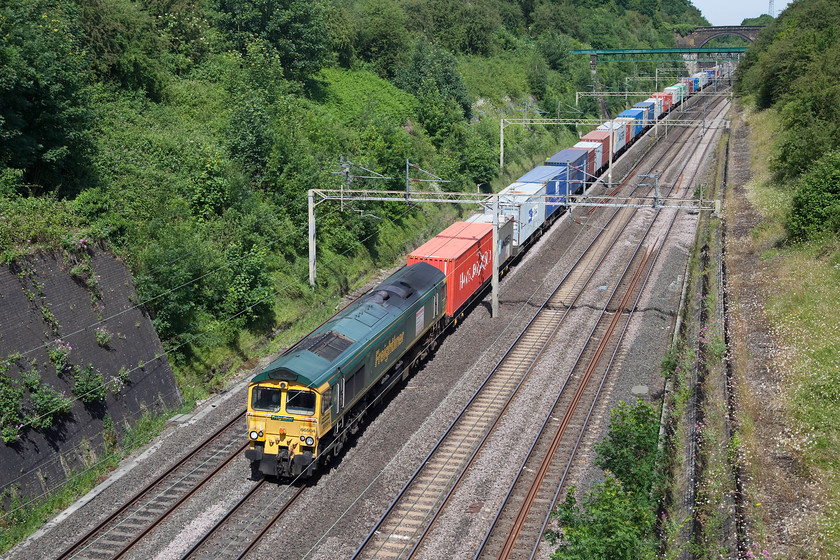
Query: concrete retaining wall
x=30 y=291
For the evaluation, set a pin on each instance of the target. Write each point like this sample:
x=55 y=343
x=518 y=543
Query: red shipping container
x=464 y=253
x=602 y=136
x=590 y=161
x=666 y=100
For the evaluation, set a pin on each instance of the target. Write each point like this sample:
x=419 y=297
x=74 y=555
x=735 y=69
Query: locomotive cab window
x=326 y=400
x=267 y=399
x=300 y=402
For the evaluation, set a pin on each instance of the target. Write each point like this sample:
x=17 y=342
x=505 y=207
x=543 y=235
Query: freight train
x=303 y=406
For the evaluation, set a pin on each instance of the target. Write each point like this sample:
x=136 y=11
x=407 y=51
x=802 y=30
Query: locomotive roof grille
x=328 y=345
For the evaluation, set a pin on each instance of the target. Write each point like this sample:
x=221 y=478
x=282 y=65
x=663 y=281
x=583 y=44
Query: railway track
x=520 y=522
x=400 y=532
x=235 y=534
x=239 y=530
x=119 y=532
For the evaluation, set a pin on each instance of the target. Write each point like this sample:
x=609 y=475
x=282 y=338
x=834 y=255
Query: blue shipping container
x=575 y=162
x=650 y=110
x=552 y=177
x=638 y=115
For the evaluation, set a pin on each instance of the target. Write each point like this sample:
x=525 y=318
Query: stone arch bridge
x=702 y=35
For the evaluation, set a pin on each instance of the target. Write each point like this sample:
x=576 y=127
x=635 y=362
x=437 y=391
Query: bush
x=609 y=525
x=88 y=385
x=11 y=409
x=630 y=450
x=815 y=206
x=58 y=351
x=103 y=337
x=47 y=405
x=616 y=519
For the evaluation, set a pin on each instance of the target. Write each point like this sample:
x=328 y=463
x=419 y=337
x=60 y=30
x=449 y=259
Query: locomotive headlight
x=310 y=441
x=254 y=434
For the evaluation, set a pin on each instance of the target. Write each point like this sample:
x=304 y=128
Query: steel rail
x=71 y=551
x=485 y=384
x=239 y=506
x=452 y=489
x=364 y=544
x=519 y=520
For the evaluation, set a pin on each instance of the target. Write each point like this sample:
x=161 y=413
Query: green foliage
x=187 y=133
x=58 y=351
x=88 y=385
x=616 y=519
x=763 y=19
x=11 y=408
x=463 y=27
x=792 y=67
x=380 y=36
x=30 y=223
x=630 y=449
x=296 y=29
x=103 y=337
x=211 y=188
x=430 y=66
x=124 y=44
x=248 y=294
x=610 y=525
x=815 y=207
x=47 y=404
x=250 y=137
x=45 y=95
x=359 y=97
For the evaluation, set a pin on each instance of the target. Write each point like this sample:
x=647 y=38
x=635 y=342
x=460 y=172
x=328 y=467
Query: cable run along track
x=402 y=529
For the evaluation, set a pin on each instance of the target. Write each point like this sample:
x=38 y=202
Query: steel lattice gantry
x=662 y=55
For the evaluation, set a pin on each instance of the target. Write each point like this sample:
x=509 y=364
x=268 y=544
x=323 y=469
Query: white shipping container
x=677 y=93
x=599 y=151
x=526 y=203
x=505 y=246
x=619 y=133
x=658 y=104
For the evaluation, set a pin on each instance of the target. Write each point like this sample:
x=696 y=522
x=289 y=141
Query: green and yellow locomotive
x=302 y=405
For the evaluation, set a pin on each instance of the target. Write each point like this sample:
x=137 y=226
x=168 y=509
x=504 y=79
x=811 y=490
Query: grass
x=802 y=305
x=22 y=519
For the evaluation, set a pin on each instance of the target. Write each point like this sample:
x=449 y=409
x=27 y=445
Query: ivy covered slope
x=185 y=133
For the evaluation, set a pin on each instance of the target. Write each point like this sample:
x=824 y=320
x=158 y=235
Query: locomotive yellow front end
x=283 y=427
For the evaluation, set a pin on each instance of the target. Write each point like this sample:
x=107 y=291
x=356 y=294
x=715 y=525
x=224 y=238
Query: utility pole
x=655 y=176
x=345 y=165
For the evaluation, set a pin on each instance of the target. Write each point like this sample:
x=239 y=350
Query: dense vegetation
x=184 y=134
x=618 y=514
x=792 y=69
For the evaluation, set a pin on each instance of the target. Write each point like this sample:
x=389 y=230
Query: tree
x=380 y=37
x=298 y=30
x=124 y=45
x=430 y=67
x=45 y=95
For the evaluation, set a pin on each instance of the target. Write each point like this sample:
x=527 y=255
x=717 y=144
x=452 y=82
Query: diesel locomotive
x=303 y=405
